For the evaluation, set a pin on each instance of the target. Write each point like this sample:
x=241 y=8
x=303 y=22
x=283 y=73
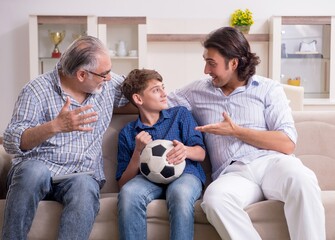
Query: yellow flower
x=240 y=18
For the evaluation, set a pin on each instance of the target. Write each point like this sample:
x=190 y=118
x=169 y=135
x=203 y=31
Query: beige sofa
x=315 y=147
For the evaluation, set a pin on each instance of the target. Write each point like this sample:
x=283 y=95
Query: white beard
x=98 y=90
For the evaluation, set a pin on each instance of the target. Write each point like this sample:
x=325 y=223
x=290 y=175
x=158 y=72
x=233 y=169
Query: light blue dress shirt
x=261 y=105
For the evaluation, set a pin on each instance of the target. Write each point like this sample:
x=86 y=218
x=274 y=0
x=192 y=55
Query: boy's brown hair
x=136 y=82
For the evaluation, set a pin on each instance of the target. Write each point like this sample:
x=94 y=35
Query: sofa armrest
x=5 y=164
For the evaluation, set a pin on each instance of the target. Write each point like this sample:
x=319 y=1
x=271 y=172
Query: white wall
x=181 y=63
x=14 y=65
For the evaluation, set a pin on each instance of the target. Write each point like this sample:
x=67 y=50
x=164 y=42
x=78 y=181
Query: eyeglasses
x=104 y=76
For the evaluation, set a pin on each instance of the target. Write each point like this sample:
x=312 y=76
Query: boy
x=144 y=88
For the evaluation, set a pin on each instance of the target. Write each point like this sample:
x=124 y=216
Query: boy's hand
x=141 y=140
x=177 y=154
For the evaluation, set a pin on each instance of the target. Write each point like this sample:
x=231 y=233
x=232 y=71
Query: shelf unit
x=199 y=37
x=40 y=45
x=163 y=49
x=132 y=31
x=314 y=68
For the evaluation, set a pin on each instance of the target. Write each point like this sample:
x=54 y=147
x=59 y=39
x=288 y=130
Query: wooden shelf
x=305 y=20
x=61 y=19
x=122 y=20
x=175 y=37
x=198 y=37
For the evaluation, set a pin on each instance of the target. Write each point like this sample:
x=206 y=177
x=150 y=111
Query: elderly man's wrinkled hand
x=75 y=120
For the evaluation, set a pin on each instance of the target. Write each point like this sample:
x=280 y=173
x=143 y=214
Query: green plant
x=241 y=18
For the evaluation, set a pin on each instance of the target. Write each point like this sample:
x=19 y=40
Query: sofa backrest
x=316 y=145
x=5 y=164
x=109 y=149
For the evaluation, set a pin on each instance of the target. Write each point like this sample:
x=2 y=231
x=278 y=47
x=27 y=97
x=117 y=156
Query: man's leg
x=80 y=198
x=288 y=180
x=225 y=199
x=29 y=182
x=133 y=199
x=181 y=195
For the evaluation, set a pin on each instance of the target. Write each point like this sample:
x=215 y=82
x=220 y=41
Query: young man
x=144 y=88
x=250 y=137
x=56 y=129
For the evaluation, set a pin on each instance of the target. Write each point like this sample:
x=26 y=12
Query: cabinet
x=126 y=38
x=302 y=50
x=40 y=44
x=130 y=31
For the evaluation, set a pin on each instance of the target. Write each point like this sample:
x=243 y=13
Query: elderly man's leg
x=29 y=182
x=80 y=198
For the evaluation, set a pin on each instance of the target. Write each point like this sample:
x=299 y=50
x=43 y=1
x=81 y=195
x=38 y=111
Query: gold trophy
x=56 y=38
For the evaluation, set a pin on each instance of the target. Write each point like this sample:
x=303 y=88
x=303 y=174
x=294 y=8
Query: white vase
x=121 y=49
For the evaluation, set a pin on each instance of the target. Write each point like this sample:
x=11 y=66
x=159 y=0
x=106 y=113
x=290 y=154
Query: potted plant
x=242 y=20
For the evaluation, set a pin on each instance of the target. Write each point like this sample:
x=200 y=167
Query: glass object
x=104 y=76
x=305 y=57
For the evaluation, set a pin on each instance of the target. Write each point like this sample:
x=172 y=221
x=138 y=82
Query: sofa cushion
x=316 y=132
x=109 y=150
x=5 y=164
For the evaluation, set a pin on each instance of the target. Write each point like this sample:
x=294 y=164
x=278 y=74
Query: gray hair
x=82 y=53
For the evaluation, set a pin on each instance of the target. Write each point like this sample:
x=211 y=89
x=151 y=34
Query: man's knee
x=82 y=190
x=32 y=174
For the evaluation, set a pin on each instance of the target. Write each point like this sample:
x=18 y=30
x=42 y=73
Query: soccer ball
x=153 y=164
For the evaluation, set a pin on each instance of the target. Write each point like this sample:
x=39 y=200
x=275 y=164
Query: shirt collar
x=252 y=82
x=164 y=114
x=57 y=85
x=56 y=79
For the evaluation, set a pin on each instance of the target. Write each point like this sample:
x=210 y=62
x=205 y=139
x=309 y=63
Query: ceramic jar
x=121 y=49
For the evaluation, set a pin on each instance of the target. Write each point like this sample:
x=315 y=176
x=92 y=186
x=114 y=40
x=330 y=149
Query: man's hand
x=226 y=127
x=75 y=120
x=66 y=121
x=262 y=139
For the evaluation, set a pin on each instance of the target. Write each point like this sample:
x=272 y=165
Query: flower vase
x=243 y=28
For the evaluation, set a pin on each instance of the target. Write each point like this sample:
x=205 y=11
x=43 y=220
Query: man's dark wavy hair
x=231 y=43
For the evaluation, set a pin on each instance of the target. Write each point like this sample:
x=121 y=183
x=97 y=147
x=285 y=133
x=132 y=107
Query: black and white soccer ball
x=153 y=164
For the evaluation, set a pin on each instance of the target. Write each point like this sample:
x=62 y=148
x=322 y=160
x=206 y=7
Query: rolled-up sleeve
x=279 y=113
x=25 y=115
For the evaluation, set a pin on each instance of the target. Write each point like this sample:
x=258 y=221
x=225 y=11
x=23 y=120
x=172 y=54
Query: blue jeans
x=180 y=195
x=30 y=182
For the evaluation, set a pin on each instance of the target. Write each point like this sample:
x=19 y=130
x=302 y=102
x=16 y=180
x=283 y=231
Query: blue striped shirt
x=39 y=102
x=174 y=124
x=260 y=105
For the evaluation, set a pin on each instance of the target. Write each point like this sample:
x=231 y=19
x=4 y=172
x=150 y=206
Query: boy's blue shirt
x=175 y=123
